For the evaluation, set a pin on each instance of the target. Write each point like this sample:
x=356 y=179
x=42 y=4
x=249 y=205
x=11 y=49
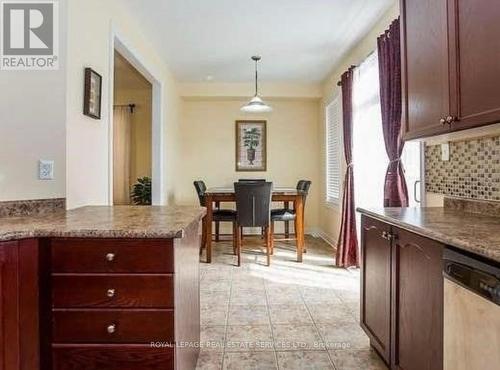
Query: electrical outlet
x=45 y=169
x=445 y=152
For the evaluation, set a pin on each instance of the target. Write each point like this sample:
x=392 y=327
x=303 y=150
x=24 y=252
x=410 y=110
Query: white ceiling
x=299 y=40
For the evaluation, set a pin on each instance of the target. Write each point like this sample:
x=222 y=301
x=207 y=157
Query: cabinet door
x=19 y=334
x=425 y=71
x=9 y=307
x=376 y=284
x=417 y=303
x=474 y=60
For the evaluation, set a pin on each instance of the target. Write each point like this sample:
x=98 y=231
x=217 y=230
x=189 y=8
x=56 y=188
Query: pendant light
x=256 y=104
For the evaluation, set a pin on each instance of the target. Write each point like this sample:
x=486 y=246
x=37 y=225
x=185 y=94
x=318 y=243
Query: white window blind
x=333 y=124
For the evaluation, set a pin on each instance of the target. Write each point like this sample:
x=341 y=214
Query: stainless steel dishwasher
x=471 y=312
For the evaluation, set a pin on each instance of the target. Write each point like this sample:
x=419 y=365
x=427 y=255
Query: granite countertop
x=105 y=222
x=472 y=232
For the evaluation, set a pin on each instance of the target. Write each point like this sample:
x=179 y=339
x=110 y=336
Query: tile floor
x=287 y=316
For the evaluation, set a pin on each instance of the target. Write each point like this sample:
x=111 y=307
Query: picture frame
x=251 y=146
x=92 y=95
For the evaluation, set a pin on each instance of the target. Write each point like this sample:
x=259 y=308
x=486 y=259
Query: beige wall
x=88 y=150
x=208 y=146
x=32 y=127
x=140 y=146
x=329 y=215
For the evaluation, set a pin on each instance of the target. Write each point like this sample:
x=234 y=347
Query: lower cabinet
x=113 y=305
x=418 y=302
x=19 y=349
x=402 y=296
x=376 y=285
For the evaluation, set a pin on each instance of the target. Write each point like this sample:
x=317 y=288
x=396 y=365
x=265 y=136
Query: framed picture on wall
x=251 y=146
x=92 y=94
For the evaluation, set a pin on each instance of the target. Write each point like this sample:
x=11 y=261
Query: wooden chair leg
x=235 y=230
x=304 y=250
x=272 y=238
x=217 y=225
x=287 y=223
x=268 y=245
x=203 y=236
x=238 y=244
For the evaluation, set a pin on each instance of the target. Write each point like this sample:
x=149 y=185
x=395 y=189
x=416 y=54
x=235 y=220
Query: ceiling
x=127 y=77
x=299 y=40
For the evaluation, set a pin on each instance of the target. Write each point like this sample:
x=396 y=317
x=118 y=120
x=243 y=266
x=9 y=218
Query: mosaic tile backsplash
x=473 y=170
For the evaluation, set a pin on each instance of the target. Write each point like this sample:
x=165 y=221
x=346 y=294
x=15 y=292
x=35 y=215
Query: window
x=333 y=120
x=369 y=154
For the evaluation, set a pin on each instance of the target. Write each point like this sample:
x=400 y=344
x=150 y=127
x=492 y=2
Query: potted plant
x=251 y=139
x=141 y=192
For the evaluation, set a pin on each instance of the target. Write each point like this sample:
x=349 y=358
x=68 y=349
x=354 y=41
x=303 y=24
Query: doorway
x=132 y=134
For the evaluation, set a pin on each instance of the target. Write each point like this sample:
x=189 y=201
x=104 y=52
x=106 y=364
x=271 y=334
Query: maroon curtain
x=347 y=246
x=389 y=61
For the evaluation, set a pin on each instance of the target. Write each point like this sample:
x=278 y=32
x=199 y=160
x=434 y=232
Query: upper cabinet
x=450 y=68
x=425 y=70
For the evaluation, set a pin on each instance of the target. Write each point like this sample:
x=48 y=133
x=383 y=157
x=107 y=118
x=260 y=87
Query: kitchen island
x=101 y=288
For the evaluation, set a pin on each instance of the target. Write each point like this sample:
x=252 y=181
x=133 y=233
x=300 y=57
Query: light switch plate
x=45 y=169
x=445 y=152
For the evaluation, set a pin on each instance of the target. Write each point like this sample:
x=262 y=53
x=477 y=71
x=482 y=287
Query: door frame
x=118 y=42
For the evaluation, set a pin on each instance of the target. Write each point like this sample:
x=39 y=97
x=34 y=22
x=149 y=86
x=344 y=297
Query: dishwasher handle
x=480 y=282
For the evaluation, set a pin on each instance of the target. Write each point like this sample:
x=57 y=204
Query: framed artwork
x=92 y=94
x=251 y=146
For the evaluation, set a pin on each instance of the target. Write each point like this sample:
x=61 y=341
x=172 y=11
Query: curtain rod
x=130 y=106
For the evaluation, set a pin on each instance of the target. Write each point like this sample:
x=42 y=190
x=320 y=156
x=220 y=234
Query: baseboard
x=318 y=233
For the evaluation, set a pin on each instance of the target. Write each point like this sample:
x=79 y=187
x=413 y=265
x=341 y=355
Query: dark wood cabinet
x=450 y=72
x=121 y=303
x=474 y=55
x=425 y=69
x=417 y=297
x=402 y=296
x=376 y=284
x=19 y=330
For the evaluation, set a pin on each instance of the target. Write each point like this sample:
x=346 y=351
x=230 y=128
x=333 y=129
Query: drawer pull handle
x=110 y=293
x=110 y=257
x=111 y=328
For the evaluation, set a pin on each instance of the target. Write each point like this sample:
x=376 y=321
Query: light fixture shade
x=256 y=105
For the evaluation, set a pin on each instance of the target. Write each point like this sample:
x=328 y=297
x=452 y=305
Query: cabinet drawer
x=132 y=291
x=112 y=326
x=112 y=255
x=114 y=357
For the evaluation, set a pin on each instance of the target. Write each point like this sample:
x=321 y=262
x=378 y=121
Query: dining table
x=279 y=194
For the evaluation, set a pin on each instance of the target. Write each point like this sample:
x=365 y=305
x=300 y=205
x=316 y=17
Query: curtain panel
x=347 y=247
x=389 y=59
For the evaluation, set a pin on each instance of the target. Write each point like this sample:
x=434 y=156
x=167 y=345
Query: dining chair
x=286 y=214
x=253 y=209
x=218 y=214
x=262 y=232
